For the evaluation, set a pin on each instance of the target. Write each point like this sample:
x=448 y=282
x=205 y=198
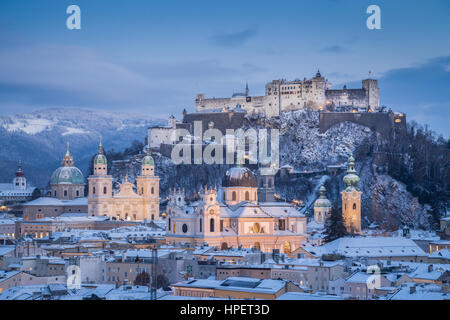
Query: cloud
x=234 y=39
x=421 y=91
x=55 y=76
x=333 y=49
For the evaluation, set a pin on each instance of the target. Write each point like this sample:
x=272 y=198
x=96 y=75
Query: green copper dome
x=148 y=160
x=100 y=159
x=351 y=179
x=322 y=201
x=67 y=175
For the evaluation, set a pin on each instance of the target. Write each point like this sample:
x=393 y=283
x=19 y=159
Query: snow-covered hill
x=39 y=138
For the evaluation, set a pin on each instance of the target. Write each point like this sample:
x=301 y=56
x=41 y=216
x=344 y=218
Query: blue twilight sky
x=153 y=57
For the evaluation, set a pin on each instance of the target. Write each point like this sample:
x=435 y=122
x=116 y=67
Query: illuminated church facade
x=127 y=204
x=233 y=216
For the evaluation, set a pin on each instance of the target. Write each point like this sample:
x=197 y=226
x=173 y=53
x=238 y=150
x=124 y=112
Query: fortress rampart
x=383 y=122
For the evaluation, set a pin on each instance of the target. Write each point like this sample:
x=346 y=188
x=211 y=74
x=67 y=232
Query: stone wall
x=383 y=122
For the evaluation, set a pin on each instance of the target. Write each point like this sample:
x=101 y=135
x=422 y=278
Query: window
x=233 y=196
x=153 y=190
x=247 y=196
x=104 y=190
x=221 y=225
x=78 y=193
x=65 y=193
x=185 y=228
x=169 y=224
x=93 y=190
x=201 y=223
x=354 y=206
x=211 y=225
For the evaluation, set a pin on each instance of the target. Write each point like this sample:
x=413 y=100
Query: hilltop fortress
x=282 y=95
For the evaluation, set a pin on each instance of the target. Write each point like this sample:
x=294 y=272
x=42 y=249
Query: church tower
x=19 y=181
x=351 y=199
x=100 y=186
x=322 y=207
x=148 y=187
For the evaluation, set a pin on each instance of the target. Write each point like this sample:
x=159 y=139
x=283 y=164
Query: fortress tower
x=351 y=199
x=372 y=93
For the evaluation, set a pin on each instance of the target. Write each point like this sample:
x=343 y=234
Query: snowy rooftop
x=307 y=296
x=371 y=247
x=237 y=284
x=47 y=201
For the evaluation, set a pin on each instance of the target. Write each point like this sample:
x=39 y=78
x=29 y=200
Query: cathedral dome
x=240 y=177
x=67 y=175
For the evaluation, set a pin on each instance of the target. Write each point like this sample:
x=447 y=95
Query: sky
x=153 y=57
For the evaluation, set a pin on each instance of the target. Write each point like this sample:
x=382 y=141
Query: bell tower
x=351 y=199
x=19 y=181
x=100 y=186
x=148 y=187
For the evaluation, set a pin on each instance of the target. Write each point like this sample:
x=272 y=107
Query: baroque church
x=242 y=213
x=127 y=204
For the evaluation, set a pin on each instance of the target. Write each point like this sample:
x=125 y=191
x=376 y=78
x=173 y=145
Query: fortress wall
x=382 y=122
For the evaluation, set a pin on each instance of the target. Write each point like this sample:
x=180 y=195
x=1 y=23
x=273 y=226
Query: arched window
x=354 y=206
x=169 y=224
x=105 y=190
x=55 y=193
x=153 y=217
x=65 y=193
x=153 y=190
x=247 y=196
x=201 y=225
x=211 y=225
x=185 y=228
x=233 y=196
x=93 y=190
x=78 y=193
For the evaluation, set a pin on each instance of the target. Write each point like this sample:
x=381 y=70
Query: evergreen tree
x=142 y=279
x=334 y=226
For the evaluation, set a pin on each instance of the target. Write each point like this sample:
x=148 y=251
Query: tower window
x=65 y=193
x=78 y=193
x=153 y=190
x=233 y=196
x=93 y=190
x=247 y=196
x=185 y=228
x=104 y=190
x=211 y=225
x=201 y=225
x=354 y=206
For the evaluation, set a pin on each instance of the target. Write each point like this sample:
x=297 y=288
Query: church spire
x=100 y=147
x=19 y=172
x=68 y=158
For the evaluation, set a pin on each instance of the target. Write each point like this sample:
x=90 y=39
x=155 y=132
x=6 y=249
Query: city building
x=282 y=95
x=127 y=204
x=233 y=216
x=19 y=190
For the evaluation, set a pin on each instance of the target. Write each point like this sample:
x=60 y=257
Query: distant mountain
x=39 y=139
